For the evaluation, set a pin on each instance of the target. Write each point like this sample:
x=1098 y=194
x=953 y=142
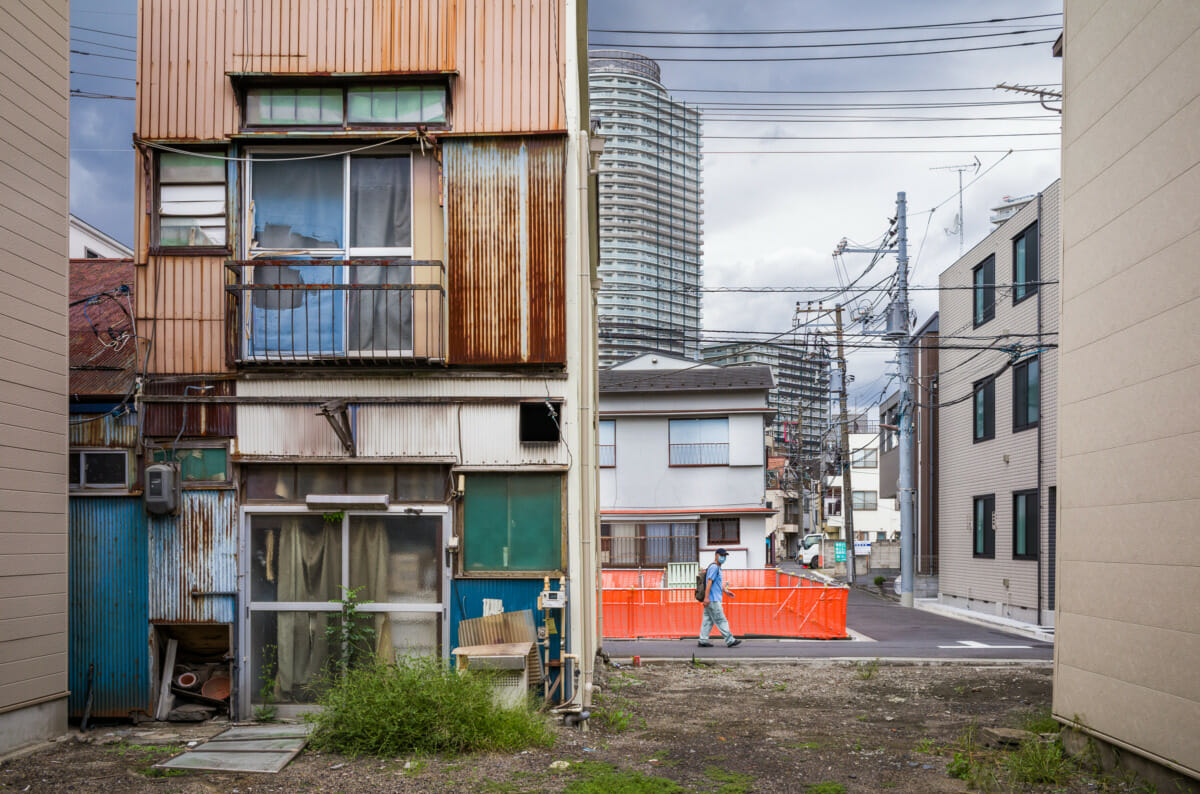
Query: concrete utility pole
x=844 y=445
x=898 y=325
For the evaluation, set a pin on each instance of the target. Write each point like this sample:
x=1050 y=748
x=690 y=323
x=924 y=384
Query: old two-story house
x=365 y=268
x=682 y=462
x=998 y=318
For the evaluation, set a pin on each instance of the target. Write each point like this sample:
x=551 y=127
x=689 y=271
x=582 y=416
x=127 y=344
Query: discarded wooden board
x=245 y=748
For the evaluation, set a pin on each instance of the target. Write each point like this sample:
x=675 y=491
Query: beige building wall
x=1128 y=629
x=1009 y=462
x=33 y=380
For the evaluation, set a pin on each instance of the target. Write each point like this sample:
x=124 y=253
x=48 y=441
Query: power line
x=108 y=76
x=102 y=55
x=90 y=95
x=105 y=32
x=104 y=44
x=818 y=46
x=856 y=57
x=823 y=30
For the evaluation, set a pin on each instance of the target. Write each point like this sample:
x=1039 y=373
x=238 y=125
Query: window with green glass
x=294 y=106
x=197 y=464
x=512 y=522
x=392 y=104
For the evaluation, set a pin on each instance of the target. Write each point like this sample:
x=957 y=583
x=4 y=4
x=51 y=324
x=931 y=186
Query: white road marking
x=973 y=644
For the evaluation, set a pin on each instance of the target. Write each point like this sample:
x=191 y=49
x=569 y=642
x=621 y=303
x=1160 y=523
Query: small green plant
x=419 y=705
x=1038 y=763
x=352 y=636
x=826 y=787
x=804 y=746
x=732 y=782
x=1040 y=721
x=927 y=746
x=597 y=778
x=879 y=580
x=867 y=671
x=265 y=712
x=334 y=518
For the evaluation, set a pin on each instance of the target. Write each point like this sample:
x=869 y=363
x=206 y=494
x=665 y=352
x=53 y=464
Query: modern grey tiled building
x=650 y=201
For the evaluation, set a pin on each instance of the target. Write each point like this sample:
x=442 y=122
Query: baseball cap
x=722 y=551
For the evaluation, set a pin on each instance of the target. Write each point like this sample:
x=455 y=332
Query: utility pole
x=898 y=325
x=844 y=445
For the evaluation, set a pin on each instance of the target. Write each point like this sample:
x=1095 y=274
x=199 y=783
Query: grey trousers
x=714 y=615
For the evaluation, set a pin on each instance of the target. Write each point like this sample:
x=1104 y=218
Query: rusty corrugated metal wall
x=118 y=432
x=508 y=55
x=505 y=250
x=180 y=305
x=193 y=560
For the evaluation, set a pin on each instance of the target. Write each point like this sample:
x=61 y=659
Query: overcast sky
x=771 y=220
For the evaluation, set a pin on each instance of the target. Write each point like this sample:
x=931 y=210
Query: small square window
x=864 y=459
x=540 y=422
x=724 y=531
x=207 y=465
x=98 y=469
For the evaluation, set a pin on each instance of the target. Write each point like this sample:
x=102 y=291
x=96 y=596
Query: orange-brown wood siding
x=505 y=250
x=507 y=56
x=181 y=308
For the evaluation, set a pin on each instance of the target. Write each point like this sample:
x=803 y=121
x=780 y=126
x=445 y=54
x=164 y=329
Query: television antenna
x=958 y=220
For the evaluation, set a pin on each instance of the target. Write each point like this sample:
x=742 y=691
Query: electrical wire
x=102 y=55
x=821 y=30
x=793 y=59
x=164 y=147
x=105 y=32
x=108 y=76
x=118 y=47
x=645 y=46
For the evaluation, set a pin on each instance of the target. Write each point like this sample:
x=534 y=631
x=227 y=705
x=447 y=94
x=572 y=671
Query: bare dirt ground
x=735 y=728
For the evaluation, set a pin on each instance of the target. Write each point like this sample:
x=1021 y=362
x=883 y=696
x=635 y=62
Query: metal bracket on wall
x=338 y=415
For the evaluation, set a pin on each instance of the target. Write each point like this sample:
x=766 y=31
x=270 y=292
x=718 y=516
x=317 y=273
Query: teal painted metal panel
x=193 y=560
x=467 y=597
x=109 y=617
x=512 y=522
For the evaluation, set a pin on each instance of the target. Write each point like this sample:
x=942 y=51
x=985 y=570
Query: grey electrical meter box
x=162 y=488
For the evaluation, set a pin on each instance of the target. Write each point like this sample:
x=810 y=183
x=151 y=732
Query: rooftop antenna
x=959 y=221
x=1041 y=93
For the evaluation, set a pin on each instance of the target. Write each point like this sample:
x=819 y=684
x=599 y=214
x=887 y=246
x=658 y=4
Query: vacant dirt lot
x=729 y=729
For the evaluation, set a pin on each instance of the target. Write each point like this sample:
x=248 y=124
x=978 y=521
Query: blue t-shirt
x=717 y=590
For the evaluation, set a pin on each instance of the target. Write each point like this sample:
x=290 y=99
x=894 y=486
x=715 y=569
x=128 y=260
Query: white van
x=810 y=551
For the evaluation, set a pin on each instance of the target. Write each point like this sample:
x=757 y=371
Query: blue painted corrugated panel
x=109 y=622
x=467 y=595
x=193 y=560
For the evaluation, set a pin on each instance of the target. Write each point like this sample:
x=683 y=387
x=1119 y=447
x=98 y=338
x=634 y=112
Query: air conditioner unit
x=506 y=667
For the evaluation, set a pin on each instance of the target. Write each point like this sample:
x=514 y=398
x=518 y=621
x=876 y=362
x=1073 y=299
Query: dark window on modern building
x=983 y=278
x=984 y=526
x=723 y=530
x=539 y=422
x=1026 y=394
x=1025 y=525
x=984 y=410
x=1026 y=263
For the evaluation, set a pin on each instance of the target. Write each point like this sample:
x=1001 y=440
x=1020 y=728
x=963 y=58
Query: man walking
x=714 y=614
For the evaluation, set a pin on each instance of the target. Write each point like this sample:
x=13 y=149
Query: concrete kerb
x=833 y=661
x=990 y=621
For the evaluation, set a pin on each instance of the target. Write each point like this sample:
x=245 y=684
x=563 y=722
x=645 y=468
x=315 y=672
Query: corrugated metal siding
x=467 y=595
x=508 y=55
x=195 y=552
x=286 y=430
x=111 y=431
x=436 y=386
x=180 y=304
x=505 y=250
x=109 y=612
x=212 y=421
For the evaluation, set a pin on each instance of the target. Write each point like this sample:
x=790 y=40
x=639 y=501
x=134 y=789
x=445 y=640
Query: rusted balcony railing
x=358 y=311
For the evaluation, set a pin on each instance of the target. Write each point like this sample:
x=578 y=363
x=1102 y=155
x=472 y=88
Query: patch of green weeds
x=867 y=671
x=732 y=782
x=1037 y=762
x=608 y=710
x=927 y=746
x=416 y=766
x=419 y=705
x=1040 y=721
x=597 y=778
x=862 y=718
x=826 y=787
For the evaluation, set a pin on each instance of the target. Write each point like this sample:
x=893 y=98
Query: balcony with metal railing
x=366 y=312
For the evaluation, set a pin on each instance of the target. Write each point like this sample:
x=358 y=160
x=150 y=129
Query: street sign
x=839 y=551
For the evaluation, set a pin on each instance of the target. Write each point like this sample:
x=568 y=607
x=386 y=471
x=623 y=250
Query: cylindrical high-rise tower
x=650 y=200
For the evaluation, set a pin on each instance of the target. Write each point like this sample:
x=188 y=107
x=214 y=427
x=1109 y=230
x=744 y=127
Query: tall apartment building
x=997 y=418
x=800 y=398
x=362 y=253
x=33 y=412
x=650 y=205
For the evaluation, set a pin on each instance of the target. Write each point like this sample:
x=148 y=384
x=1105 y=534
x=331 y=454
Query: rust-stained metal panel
x=503 y=628
x=118 y=432
x=505 y=250
x=196 y=419
x=180 y=308
x=193 y=560
x=508 y=56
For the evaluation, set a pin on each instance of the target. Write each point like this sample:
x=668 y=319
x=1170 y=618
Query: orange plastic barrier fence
x=767 y=603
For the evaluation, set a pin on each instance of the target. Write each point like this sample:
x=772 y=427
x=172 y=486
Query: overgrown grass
x=867 y=671
x=1040 y=721
x=731 y=782
x=1038 y=763
x=419 y=705
x=826 y=787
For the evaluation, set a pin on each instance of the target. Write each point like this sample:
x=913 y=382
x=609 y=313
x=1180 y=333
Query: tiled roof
x=737 y=377
x=103 y=350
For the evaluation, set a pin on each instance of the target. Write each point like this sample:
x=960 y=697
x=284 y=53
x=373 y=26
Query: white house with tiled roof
x=682 y=462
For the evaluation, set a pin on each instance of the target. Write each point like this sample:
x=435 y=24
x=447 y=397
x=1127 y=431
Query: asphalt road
x=881 y=628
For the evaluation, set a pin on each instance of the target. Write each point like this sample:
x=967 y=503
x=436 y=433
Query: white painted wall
x=885 y=518
x=82 y=236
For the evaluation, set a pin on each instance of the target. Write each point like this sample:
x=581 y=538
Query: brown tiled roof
x=103 y=350
x=737 y=377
